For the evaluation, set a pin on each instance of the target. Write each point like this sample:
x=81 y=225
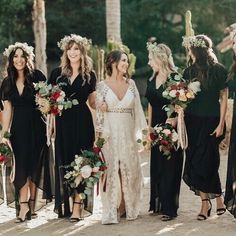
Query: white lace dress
x=121 y=125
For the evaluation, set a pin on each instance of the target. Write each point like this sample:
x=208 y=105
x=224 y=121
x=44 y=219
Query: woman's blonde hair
x=86 y=63
x=163 y=53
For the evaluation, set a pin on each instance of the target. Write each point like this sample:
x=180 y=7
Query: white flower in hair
x=193 y=41
x=24 y=46
x=74 y=38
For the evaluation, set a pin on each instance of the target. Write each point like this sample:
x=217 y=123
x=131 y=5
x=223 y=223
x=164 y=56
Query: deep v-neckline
x=116 y=94
x=20 y=94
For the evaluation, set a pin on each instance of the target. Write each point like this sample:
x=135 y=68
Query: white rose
x=78 y=159
x=166 y=131
x=86 y=171
x=95 y=169
x=174 y=137
x=173 y=93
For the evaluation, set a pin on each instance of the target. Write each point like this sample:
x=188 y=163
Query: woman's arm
x=223 y=108
x=6 y=117
x=92 y=100
x=149 y=116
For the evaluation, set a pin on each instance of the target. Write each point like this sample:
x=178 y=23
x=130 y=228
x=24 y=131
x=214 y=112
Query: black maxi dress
x=202 y=116
x=74 y=133
x=230 y=190
x=28 y=140
x=165 y=174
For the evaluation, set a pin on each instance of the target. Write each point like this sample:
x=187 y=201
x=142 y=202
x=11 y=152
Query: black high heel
x=203 y=217
x=222 y=210
x=81 y=209
x=27 y=215
x=32 y=206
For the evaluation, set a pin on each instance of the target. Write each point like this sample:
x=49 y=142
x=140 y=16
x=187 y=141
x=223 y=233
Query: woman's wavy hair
x=11 y=72
x=86 y=63
x=205 y=58
x=164 y=54
x=114 y=57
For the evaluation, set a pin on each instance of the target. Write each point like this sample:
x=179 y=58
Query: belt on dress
x=121 y=110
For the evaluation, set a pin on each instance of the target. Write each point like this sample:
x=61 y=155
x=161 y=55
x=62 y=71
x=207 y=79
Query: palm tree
x=113 y=20
x=39 y=27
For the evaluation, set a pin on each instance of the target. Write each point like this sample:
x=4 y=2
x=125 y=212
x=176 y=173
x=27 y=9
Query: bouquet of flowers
x=6 y=153
x=87 y=168
x=51 y=99
x=163 y=135
x=180 y=93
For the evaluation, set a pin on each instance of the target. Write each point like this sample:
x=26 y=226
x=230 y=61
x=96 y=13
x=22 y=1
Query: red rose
x=153 y=136
x=96 y=150
x=55 y=111
x=55 y=96
x=164 y=142
x=2 y=158
x=102 y=168
x=177 y=94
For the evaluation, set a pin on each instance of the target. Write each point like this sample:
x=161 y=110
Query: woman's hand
x=6 y=141
x=172 y=121
x=103 y=107
x=218 y=131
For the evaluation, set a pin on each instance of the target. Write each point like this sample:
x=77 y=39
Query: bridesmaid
x=230 y=192
x=165 y=174
x=204 y=118
x=23 y=120
x=74 y=129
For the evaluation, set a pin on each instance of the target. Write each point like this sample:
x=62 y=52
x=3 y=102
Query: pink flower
x=86 y=171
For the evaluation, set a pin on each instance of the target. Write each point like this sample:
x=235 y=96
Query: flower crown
x=192 y=41
x=24 y=46
x=77 y=39
x=152 y=47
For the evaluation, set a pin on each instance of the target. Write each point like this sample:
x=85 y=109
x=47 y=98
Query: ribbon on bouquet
x=50 y=127
x=181 y=130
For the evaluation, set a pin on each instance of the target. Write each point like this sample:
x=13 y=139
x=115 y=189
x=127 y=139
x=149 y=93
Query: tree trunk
x=40 y=34
x=113 y=20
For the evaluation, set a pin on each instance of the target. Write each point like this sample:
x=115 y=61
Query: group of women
x=120 y=120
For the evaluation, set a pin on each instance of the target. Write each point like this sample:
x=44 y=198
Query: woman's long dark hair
x=12 y=73
x=205 y=59
x=114 y=57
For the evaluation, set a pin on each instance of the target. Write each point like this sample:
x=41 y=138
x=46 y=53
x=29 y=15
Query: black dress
x=165 y=174
x=28 y=138
x=230 y=190
x=202 y=116
x=74 y=132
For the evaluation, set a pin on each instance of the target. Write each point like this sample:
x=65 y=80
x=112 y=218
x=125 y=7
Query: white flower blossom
x=86 y=171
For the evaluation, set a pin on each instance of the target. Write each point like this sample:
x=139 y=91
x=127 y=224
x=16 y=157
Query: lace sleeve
x=139 y=117
x=101 y=92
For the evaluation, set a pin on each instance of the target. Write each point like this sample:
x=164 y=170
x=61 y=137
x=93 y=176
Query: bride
x=120 y=119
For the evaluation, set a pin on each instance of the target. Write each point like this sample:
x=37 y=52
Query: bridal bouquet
x=163 y=135
x=87 y=168
x=180 y=93
x=50 y=99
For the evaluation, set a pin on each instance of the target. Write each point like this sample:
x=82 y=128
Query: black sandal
x=166 y=218
x=33 y=215
x=77 y=219
x=203 y=217
x=220 y=211
x=27 y=215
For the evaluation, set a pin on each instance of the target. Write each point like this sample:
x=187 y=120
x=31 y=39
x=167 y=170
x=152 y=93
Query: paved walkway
x=146 y=225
